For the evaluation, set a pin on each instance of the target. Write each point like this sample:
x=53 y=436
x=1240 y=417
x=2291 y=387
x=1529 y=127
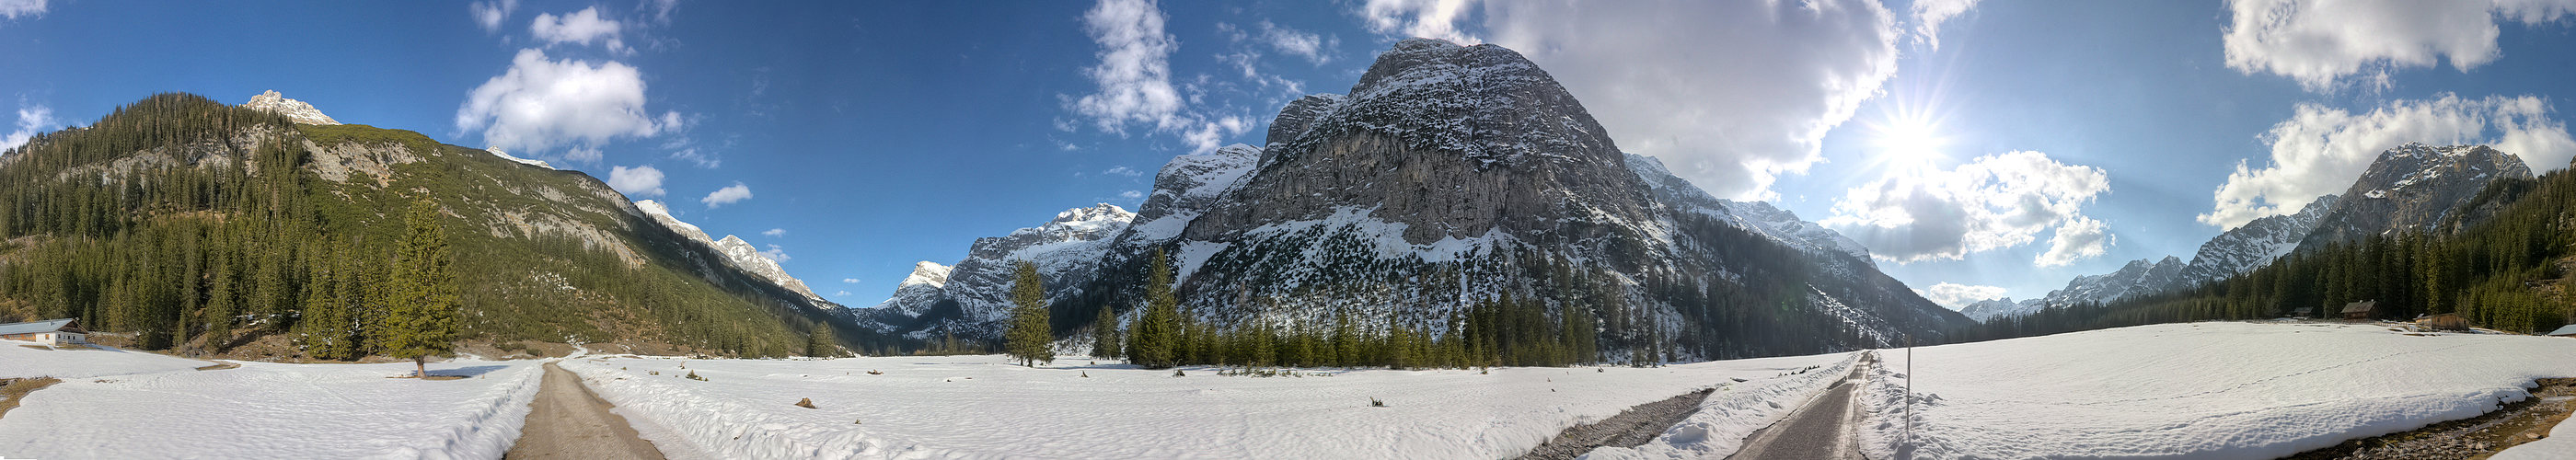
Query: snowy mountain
x=299 y=111
x=2412 y=187
x=1447 y=176
x=1990 y=309
x=737 y=252
x=972 y=298
x=919 y=289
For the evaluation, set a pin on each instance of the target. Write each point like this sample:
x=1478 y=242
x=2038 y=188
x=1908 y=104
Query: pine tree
x=1152 y=341
x=1029 y=340
x=220 y=306
x=1104 y=334
x=820 y=342
x=424 y=308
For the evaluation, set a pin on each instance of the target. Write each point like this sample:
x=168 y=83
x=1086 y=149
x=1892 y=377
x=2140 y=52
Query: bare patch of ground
x=2473 y=438
x=11 y=390
x=1630 y=428
x=567 y=421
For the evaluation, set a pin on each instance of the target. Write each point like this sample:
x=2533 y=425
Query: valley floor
x=2200 y=390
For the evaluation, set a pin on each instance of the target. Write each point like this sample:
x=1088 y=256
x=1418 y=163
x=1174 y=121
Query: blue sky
x=1988 y=148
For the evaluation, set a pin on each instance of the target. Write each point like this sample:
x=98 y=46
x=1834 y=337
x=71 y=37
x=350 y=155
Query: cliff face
x=2412 y=188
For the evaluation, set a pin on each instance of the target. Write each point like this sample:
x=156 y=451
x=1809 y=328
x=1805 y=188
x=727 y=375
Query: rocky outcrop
x=293 y=109
x=2255 y=244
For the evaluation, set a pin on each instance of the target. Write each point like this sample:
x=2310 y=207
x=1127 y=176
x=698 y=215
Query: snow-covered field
x=2198 y=390
x=127 y=404
x=982 y=407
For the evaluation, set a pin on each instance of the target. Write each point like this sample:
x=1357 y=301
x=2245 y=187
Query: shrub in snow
x=805 y=403
x=1374 y=402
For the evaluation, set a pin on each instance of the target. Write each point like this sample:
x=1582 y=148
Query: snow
x=1195 y=254
x=17 y=361
x=982 y=407
x=121 y=409
x=496 y=151
x=2561 y=444
x=1732 y=414
x=2198 y=390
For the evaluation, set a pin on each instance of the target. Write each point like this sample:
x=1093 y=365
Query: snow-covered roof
x=2567 y=330
x=36 y=326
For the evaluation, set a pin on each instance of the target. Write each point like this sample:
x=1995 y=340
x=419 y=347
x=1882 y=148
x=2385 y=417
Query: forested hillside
x=200 y=226
x=2502 y=262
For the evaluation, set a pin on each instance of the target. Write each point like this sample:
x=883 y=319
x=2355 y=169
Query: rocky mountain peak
x=2412 y=187
x=298 y=110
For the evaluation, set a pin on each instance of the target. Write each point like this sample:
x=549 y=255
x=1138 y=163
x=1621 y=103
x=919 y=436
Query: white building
x=55 y=332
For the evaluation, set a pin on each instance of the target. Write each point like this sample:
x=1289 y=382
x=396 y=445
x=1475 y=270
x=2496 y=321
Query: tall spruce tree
x=1153 y=341
x=424 y=307
x=820 y=342
x=1104 y=334
x=1029 y=339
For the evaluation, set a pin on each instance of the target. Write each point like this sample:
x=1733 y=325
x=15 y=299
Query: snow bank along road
x=567 y=421
x=126 y=404
x=983 y=407
x=2200 y=390
x=1823 y=430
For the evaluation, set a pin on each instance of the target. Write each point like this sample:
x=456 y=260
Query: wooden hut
x=54 y=332
x=2359 y=311
x=2568 y=331
x=2444 y=322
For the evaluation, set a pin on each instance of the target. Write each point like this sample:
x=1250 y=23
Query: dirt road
x=567 y=421
x=1826 y=429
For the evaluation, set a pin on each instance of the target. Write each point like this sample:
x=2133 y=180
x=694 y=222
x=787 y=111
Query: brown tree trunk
x=421 y=363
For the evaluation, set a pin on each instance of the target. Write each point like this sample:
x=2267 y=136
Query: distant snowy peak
x=1756 y=216
x=2139 y=277
x=918 y=291
x=741 y=254
x=301 y=112
x=1082 y=223
x=2254 y=244
x=927 y=273
x=496 y=151
x=1989 y=309
x=2412 y=188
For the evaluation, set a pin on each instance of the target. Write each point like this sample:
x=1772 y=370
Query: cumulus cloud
x=2078 y=238
x=774 y=233
x=1957 y=296
x=1315 y=48
x=1135 y=79
x=1123 y=171
x=636 y=181
x=1419 y=18
x=2320 y=149
x=727 y=195
x=775 y=254
x=1993 y=202
x=1929 y=14
x=1131 y=194
x=540 y=104
x=850 y=280
x=1728 y=94
x=2322 y=43
x=14 y=9
x=32 y=119
x=580 y=27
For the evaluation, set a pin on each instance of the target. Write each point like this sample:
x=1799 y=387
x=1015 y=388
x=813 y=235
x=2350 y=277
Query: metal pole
x=1909 y=389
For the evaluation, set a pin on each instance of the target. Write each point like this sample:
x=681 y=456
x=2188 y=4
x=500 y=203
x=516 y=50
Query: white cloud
x=1419 y=18
x=1212 y=134
x=580 y=27
x=727 y=195
x=1929 y=14
x=692 y=155
x=2320 y=150
x=2078 y=238
x=1993 y=202
x=1957 y=296
x=1316 y=49
x=32 y=119
x=774 y=233
x=1131 y=194
x=850 y=280
x=661 y=9
x=1135 y=68
x=1123 y=171
x=2320 y=43
x=14 y=9
x=1729 y=94
x=841 y=294
x=636 y=181
x=540 y=104
x=776 y=254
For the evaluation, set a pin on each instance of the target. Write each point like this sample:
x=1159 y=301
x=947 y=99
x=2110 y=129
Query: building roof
x=2569 y=330
x=2360 y=307
x=35 y=326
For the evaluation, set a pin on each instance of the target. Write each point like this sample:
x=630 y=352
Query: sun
x=1909 y=141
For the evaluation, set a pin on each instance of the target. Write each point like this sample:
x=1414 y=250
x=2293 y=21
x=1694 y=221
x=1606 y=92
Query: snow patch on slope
x=496 y=151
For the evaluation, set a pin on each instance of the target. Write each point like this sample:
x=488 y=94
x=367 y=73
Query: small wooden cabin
x=2444 y=322
x=53 y=332
x=2359 y=311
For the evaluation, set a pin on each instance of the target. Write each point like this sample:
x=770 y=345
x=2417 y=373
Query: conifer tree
x=1029 y=340
x=1152 y=341
x=820 y=342
x=424 y=307
x=1104 y=334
